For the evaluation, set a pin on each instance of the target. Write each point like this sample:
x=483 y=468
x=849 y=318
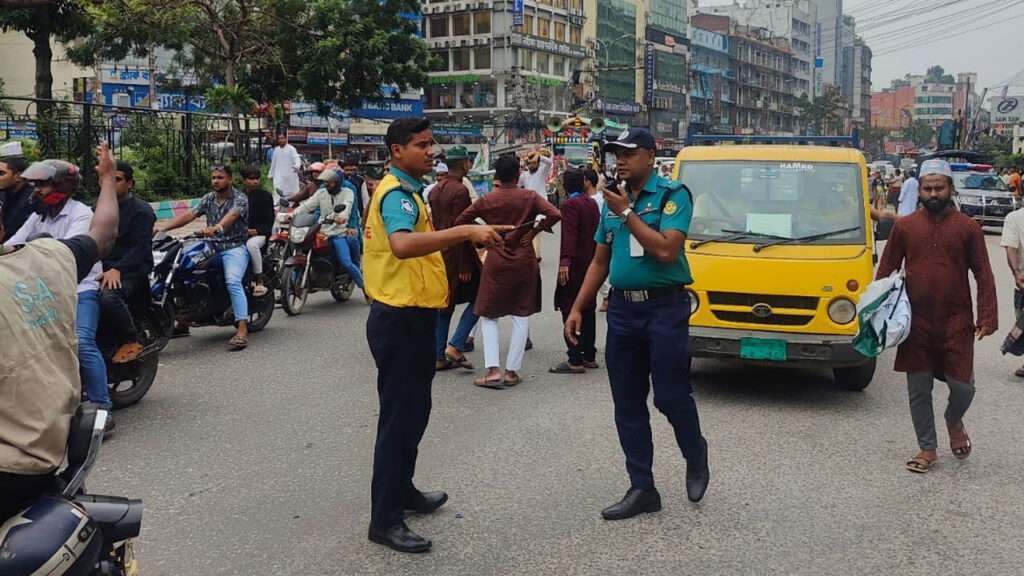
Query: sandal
x=238 y=342
x=483 y=382
x=259 y=291
x=591 y=365
x=513 y=382
x=960 y=443
x=920 y=464
x=566 y=368
x=461 y=362
x=1019 y=373
x=442 y=365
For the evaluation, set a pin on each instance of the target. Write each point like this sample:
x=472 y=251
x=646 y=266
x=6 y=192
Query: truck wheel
x=855 y=378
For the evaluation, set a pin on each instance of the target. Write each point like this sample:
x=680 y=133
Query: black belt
x=645 y=295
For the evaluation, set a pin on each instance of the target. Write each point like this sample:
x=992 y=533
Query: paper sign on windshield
x=774 y=224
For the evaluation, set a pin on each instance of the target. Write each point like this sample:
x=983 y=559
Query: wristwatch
x=625 y=214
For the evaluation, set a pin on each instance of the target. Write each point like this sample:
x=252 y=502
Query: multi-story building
x=892 y=109
x=763 y=66
x=713 y=81
x=829 y=41
x=933 y=103
x=506 y=64
x=857 y=81
x=794 y=20
x=613 y=78
x=666 y=69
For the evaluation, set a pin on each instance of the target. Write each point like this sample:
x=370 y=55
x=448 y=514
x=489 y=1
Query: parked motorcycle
x=312 y=266
x=128 y=382
x=74 y=533
x=189 y=287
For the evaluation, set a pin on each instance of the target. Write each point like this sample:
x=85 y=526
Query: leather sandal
x=238 y=342
x=483 y=382
x=920 y=464
x=960 y=442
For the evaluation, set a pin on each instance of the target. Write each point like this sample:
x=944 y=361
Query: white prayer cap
x=936 y=166
x=441 y=168
x=11 y=149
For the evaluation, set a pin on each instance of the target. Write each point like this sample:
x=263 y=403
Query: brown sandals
x=960 y=442
x=921 y=463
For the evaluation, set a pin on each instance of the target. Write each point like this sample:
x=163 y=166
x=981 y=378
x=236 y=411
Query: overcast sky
x=983 y=36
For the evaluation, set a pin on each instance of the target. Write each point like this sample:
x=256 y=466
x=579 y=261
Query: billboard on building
x=1009 y=110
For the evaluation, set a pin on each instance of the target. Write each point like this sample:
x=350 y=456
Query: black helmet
x=65 y=178
x=53 y=537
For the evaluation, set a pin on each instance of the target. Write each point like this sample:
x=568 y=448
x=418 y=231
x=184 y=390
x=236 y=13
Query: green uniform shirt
x=398 y=209
x=662 y=205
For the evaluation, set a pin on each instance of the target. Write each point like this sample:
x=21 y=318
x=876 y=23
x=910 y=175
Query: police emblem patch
x=407 y=207
x=670 y=208
x=608 y=237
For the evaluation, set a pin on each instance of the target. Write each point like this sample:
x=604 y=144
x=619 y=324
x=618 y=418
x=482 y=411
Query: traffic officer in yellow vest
x=405 y=276
x=640 y=241
x=40 y=386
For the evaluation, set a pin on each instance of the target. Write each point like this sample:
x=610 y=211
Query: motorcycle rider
x=334 y=193
x=15 y=191
x=227 y=216
x=40 y=385
x=261 y=221
x=58 y=215
x=125 y=278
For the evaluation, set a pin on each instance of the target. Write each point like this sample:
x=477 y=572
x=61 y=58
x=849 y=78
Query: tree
x=40 y=21
x=919 y=132
x=873 y=140
x=937 y=75
x=823 y=113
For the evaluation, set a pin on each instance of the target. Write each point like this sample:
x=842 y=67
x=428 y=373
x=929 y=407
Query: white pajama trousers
x=516 y=348
x=253 y=246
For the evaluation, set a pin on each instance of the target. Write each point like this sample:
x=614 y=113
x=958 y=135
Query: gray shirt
x=234 y=235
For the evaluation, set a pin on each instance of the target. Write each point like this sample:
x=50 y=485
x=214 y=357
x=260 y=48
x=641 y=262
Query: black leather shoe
x=400 y=538
x=635 y=502
x=426 y=502
x=697 y=475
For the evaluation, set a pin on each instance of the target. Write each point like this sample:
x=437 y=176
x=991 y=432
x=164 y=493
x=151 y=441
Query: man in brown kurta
x=938 y=246
x=448 y=199
x=510 y=283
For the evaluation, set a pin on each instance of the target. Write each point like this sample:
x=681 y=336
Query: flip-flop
x=919 y=464
x=565 y=368
x=960 y=443
x=439 y=367
x=513 y=382
x=238 y=342
x=460 y=362
x=591 y=365
x=259 y=291
x=483 y=382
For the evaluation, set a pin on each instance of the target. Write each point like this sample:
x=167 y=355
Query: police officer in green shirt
x=640 y=239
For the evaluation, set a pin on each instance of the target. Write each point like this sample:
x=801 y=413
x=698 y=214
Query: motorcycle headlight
x=298 y=235
x=158 y=256
x=842 y=311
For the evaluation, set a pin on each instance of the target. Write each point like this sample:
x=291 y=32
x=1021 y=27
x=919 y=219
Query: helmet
x=329 y=175
x=52 y=536
x=317 y=167
x=63 y=176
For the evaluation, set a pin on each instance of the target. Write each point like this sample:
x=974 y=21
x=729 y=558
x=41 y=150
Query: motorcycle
x=128 y=382
x=311 y=267
x=98 y=529
x=187 y=286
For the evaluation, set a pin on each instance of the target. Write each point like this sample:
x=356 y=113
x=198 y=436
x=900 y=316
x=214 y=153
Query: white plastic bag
x=884 y=315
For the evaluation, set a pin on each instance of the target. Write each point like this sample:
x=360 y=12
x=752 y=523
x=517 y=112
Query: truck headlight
x=842 y=311
x=694 y=301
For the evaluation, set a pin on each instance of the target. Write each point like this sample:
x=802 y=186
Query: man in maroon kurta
x=938 y=246
x=510 y=282
x=580 y=218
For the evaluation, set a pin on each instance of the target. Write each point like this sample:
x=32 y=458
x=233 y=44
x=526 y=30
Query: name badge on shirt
x=636 y=250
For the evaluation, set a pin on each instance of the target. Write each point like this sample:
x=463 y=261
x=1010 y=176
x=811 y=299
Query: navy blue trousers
x=402 y=343
x=647 y=345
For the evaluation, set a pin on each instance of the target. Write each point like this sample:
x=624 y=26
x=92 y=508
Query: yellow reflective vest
x=410 y=283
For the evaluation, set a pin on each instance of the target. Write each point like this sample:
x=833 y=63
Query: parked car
x=982 y=194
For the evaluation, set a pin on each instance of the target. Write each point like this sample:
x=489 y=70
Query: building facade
x=892 y=109
x=713 y=82
x=829 y=41
x=933 y=103
x=667 y=70
x=763 y=66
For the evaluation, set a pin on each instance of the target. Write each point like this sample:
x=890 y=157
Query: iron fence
x=171 y=151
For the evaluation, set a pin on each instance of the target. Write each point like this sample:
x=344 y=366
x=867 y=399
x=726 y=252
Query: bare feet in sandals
x=490 y=380
x=959 y=441
x=923 y=462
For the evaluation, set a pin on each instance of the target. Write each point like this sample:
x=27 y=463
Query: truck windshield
x=780 y=199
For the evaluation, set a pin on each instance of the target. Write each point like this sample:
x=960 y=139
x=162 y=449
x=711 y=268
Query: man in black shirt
x=125 y=279
x=261 y=221
x=15 y=193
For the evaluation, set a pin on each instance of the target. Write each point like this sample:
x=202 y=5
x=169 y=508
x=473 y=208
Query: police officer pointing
x=405 y=276
x=640 y=242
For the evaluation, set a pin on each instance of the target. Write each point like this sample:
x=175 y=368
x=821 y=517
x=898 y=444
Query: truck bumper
x=834 y=351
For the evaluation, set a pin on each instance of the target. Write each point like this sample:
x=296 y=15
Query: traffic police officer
x=405 y=276
x=640 y=241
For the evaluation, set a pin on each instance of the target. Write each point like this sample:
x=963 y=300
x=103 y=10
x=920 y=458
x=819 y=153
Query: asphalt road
x=258 y=463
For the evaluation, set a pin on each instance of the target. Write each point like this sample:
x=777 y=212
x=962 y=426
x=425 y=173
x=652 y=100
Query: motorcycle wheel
x=293 y=298
x=343 y=292
x=260 y=316
x=123 y=396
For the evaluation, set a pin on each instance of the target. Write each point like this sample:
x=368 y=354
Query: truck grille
x=740 y=299
x=773 y=320
x=777 y=303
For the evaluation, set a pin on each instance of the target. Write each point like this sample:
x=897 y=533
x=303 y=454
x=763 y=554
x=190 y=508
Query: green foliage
x=62 y=20
x=937 y=75
x=873 y=140
x=229 y=99
x=919 y=132
x=822 y=114
x=999 y=151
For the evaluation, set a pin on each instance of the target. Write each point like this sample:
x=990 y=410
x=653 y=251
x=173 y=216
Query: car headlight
x=842 y=311
x=298 y=235
x=694 y=301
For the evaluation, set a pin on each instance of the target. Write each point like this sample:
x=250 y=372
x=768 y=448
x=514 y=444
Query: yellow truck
x=781 y=247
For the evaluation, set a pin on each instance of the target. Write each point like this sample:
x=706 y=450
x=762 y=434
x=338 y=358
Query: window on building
x=575 y=35
x=544 y=28
x=526 y=59
x=616 y=25
x=445 y=60
x=438 y=26
x=543 y=63
x=528 y=24
x=460 y=24
x=482 y=58
x=576 y=4
x=482 y=23
x=558 y=66
x=460 y=59
x=560 y=31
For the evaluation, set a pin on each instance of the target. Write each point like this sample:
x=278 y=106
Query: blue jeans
x=458 y=341
x=235 y=261
x=355 y=243
x=343 y=249
x=92 y=368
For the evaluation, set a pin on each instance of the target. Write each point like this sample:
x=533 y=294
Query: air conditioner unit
x=459 y=7
x=448 y=43
x=464 y=42
x=591 y=94
x=122 y=99
x=590 y=52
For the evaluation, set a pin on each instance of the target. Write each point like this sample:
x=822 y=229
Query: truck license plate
x=763 y=349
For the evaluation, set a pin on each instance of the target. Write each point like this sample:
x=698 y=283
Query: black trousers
x=17 y=491
x=116 y=307
x=586 y=349
x=402 y=341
